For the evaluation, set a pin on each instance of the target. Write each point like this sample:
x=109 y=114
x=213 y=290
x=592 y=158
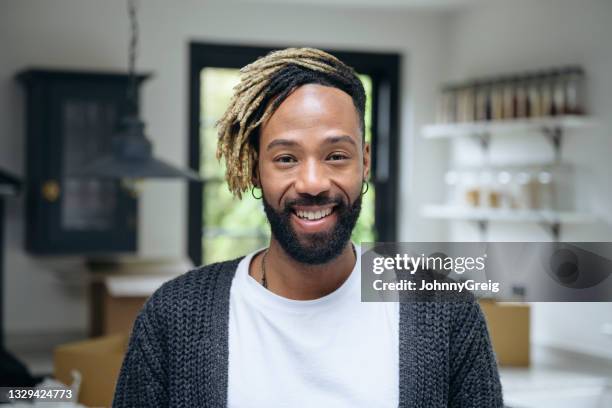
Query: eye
x=337 y=156
x=285 y=159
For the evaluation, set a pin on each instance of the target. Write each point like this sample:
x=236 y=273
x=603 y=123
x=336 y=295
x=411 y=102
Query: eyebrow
x=329 y=140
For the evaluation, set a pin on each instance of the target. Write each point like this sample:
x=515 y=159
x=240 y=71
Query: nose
x=312 y=178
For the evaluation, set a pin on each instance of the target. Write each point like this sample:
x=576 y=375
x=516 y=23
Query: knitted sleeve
x=474 y=376
x=142 y=380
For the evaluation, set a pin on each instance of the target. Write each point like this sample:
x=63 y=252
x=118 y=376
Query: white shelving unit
x=512 y=166
x=448 y=212
x=548 y=219
x=506 y=127
x=553 y=128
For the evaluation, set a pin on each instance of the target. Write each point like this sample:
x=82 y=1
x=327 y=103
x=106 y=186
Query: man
x=284 y=326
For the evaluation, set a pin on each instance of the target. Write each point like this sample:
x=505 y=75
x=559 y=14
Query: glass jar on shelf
x=534 y=103
x=521 y=106
x=497 y=100
x=470 y=190
x=452 y=180
x=465 y=103
x=525 y=191
x=544 y=189
x=546 y=94
x=509 y=98
x=470 y=102
x=574 y=91
x=504 y=180
x=459 y=105
x=489 y=196
x=482 y=101
x=558 y=94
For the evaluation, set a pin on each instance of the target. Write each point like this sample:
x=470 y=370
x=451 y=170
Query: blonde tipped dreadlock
x=264 y=84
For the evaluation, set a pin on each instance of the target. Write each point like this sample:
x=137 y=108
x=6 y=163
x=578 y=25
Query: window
x=220 y=226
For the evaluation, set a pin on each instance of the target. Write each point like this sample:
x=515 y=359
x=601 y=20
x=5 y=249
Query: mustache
x=313 y=200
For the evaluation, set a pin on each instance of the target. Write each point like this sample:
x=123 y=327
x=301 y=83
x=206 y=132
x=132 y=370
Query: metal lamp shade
x=132 y=158
x=116 y=167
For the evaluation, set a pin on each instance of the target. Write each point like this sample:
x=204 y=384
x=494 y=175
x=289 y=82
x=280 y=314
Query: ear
x=255 y=177
x=366 y=161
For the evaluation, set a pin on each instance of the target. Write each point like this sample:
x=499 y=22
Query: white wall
x=506 y=37
x=93 y=35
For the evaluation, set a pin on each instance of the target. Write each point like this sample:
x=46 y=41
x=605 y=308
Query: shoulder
x=192 y=291
x=202 y=277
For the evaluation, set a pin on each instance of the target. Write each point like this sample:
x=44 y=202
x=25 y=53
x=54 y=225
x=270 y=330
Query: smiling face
x=312 y=163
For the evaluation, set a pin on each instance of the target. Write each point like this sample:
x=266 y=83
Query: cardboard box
x=509 y=327
x=111 y=314
x=120 y=289
x=98 y=360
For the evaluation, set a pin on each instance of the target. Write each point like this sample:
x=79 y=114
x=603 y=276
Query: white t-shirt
x=329 y=352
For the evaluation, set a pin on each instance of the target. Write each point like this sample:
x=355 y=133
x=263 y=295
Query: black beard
x=321 y=247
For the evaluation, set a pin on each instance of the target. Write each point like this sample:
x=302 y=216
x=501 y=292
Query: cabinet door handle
x=51 y=190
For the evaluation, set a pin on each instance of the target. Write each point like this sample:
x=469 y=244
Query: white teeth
x=314 y=215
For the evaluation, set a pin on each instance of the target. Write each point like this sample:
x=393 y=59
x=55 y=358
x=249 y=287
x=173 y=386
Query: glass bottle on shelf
x=558 y=94
x=509 y=98
x=533 y=97
x=489 y=192
x=482 y=101
x=504 y=180
x=574 y=91
x=545 y=197
x=469 y=102
x=453 y=106
x=489 y=101
x=459 y=105
x=452 y=180
x=475 y=91
x=470 y=190
x=546 y=95
x=497 y=101
x=521 y=107
x=463 y=103
x=523 y=191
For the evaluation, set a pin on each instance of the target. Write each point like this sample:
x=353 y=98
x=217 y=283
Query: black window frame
x=382 y=68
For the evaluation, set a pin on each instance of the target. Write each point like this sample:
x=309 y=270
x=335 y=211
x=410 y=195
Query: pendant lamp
x=131 y=156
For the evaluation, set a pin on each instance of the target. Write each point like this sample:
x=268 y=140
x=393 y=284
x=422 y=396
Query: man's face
x=311 y=167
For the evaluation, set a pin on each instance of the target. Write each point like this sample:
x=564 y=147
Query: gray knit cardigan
x=178 y=350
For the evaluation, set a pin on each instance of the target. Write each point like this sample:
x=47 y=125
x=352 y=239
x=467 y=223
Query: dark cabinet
x=70 y=118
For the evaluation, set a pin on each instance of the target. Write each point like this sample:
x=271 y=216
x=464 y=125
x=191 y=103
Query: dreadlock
x=264 y=85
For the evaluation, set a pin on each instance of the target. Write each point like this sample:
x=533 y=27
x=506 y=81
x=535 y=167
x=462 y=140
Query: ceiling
x=395 y=4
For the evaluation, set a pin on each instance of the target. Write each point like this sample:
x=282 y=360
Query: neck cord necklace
x=264 y=281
